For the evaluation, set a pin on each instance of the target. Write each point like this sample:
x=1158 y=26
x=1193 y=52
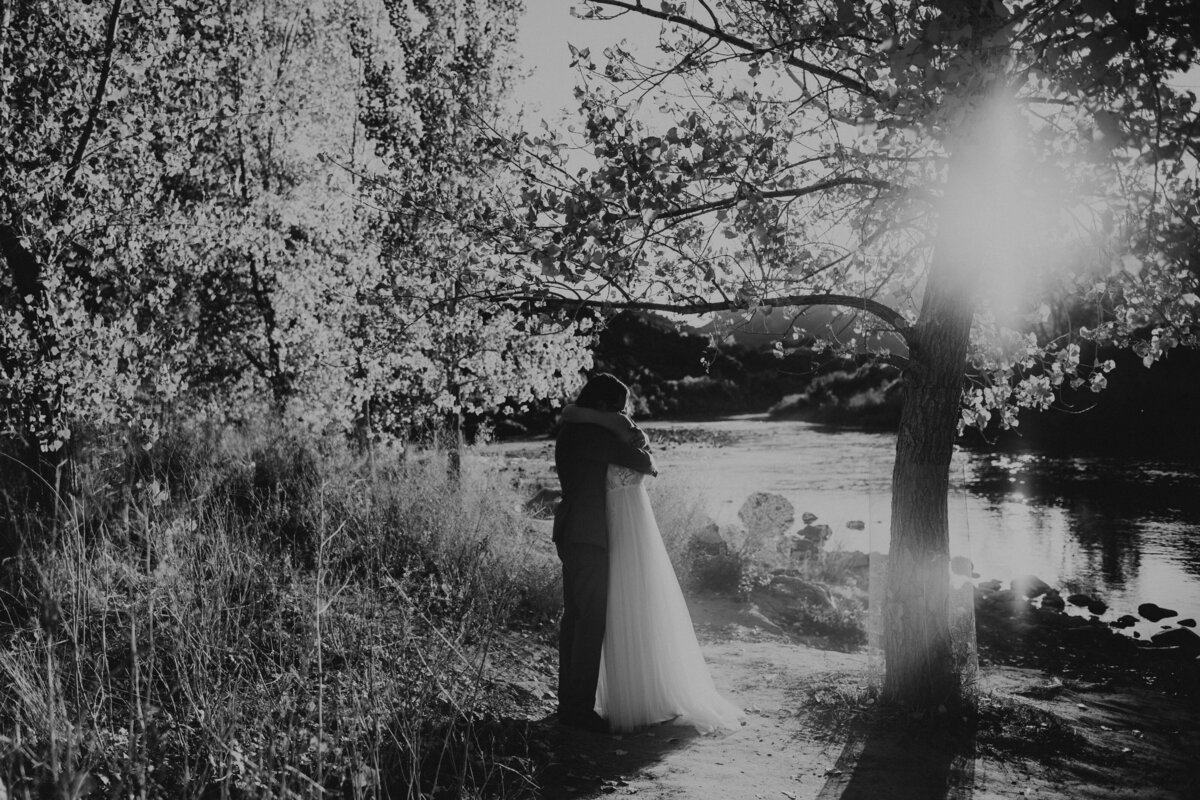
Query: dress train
x=652 y=669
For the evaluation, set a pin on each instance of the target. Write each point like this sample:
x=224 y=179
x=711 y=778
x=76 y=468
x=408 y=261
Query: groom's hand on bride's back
x=638 y=439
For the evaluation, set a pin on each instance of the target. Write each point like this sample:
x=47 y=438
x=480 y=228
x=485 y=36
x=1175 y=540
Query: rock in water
x=1053 y=600
x=1030 y=586
x=1154 y=612
x=1092 y=604
x=1186 y=640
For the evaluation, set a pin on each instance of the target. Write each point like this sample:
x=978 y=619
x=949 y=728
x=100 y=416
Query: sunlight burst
x=1002 y=213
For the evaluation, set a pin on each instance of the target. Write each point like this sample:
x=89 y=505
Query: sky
x=546 y=30
x=548 y=27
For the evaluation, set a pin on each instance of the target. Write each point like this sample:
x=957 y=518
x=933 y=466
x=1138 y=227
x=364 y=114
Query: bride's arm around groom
x=617 y=422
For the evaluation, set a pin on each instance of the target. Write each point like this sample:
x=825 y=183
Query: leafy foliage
x=252 y=207
x=430 y=340
x=798 y=154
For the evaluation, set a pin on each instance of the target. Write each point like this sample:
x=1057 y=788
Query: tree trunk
x=364 y=435
x=920 y=671
x=456 y=445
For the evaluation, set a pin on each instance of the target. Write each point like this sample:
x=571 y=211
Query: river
x=1124 y=530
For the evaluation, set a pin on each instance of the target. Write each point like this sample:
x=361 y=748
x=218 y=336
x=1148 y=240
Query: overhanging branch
x=721 y=35
x=557 y=302
x=774 y=194
x=89 y=125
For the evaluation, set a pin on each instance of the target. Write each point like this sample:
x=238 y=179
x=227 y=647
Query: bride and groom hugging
x=627 y=653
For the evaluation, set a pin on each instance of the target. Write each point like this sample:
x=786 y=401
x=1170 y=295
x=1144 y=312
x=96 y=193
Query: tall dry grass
x=257 y=614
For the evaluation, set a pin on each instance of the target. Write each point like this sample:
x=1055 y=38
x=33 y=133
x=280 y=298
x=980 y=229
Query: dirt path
x=1036 y=737
x=774 y=755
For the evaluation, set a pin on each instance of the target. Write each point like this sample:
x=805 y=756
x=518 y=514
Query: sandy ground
x=801 y=739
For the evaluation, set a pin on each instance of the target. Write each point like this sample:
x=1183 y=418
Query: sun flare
x=1003 y=211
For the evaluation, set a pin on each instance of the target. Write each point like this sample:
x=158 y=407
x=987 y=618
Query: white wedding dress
x=652 y=669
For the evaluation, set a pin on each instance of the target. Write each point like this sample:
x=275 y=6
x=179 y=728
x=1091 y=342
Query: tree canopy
x=800 y=154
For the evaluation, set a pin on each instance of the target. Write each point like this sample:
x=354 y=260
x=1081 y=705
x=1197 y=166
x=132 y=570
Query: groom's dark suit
x=582 y=455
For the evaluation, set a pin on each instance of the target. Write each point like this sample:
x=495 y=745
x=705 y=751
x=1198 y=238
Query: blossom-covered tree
x=83 y=224
x=254 y=206
x=439 y=347
x=940 y=171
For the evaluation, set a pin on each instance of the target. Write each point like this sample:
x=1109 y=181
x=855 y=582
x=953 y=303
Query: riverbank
x=1022 y=626
x=814 y=732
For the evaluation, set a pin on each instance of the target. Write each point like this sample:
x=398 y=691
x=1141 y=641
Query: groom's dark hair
x=603 y=392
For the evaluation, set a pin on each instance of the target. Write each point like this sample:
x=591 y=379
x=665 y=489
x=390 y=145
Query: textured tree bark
x=920 y=672
x=919 y=666
x=456 y=443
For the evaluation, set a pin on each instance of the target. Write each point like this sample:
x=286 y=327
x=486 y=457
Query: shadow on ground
x=584 y=764
x=889 y=759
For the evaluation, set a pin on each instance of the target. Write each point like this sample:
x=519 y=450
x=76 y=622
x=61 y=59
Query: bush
x=868 y=397
x=712 y=568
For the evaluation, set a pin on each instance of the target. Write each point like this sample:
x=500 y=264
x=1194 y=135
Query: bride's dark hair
x=604 y=393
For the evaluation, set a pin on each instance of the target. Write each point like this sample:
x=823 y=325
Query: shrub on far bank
x=867 y=397
x=260 y=613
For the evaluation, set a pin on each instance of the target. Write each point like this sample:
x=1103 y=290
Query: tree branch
x=727 y=202
x=89 y=126
x=556 y=302
x=721 y=35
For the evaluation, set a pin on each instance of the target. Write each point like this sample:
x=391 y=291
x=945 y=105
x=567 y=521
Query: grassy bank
x=261 y=615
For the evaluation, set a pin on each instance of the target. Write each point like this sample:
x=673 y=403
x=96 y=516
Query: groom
x=581 y=456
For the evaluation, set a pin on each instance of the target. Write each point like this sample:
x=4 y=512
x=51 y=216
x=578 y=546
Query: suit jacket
x=582 y=454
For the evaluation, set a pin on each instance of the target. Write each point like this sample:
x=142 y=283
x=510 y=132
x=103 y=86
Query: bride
x=652 y=669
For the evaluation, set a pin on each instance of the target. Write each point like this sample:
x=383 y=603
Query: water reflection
x=1115 y=512
x=1118 y=527
x=1109 y=543
x=1130 y=489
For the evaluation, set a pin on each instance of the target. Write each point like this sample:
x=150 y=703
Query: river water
x=1125 y=530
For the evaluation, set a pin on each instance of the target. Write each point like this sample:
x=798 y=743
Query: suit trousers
x=581 y=632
